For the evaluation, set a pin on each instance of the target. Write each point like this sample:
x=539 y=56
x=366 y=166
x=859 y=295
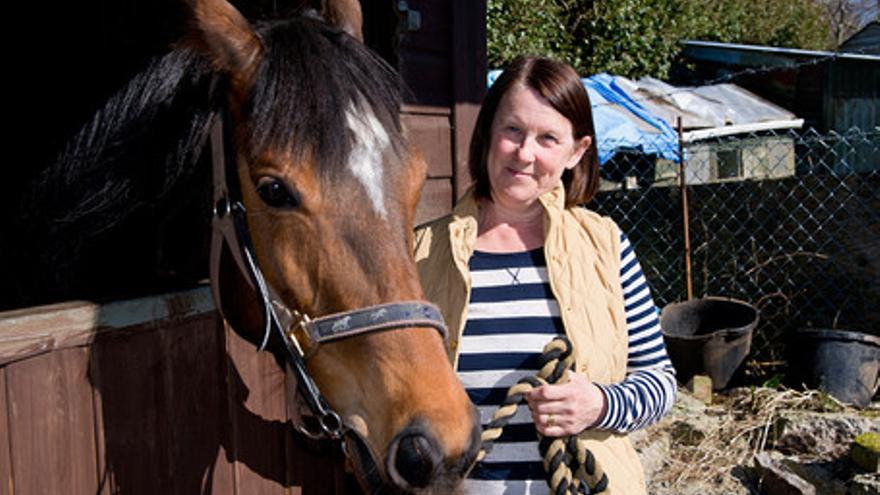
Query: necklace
x=514 y=275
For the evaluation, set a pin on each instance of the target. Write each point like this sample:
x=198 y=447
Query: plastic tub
x=710 y=336
x=842 y=363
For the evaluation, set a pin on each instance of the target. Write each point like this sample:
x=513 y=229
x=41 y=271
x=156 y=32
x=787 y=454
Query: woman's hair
x=560 y=85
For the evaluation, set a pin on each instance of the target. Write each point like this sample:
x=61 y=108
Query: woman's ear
x=580 y=147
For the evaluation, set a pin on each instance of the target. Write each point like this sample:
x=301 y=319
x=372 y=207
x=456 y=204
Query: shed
x=649 y=109
x=830 y=90
x=713 y=111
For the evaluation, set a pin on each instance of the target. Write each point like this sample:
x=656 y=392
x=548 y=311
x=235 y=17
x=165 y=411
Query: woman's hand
x=566 y=408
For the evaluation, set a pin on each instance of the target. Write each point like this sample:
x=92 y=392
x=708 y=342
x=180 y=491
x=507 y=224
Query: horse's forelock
x=311 y=79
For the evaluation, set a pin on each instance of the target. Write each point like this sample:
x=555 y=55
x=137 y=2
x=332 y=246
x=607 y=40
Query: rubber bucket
x=708 y=336
x=841 y=363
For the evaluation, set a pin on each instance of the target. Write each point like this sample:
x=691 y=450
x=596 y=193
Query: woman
x=518 y=262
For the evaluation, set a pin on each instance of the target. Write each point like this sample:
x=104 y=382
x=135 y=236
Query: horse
x=315 y=189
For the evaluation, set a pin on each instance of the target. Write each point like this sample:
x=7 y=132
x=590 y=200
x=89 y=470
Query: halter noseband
x=300 y=334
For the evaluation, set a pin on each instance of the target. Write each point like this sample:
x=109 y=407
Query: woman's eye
x=276 y=194
x=550 y=138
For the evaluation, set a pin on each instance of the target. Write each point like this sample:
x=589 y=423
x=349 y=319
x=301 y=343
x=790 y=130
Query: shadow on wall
x=193 y=409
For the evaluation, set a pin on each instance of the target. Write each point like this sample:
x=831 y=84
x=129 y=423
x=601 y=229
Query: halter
x=300 y=334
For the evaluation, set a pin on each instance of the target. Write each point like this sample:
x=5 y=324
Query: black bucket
x=843 y=364
x=710 y=336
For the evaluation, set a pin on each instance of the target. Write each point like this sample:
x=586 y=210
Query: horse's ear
x=344 y=14
x=220 y=32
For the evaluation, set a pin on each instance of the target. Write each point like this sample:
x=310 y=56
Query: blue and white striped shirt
x=512 y=314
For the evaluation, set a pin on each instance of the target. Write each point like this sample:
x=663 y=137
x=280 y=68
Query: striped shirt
x=512 y=314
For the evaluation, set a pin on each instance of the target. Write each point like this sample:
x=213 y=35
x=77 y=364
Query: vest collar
x=464 y=226
x=466 y=211
x=465 y=216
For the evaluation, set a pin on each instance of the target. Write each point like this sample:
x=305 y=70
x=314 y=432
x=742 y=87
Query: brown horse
x=316 y=213
x=329 y=186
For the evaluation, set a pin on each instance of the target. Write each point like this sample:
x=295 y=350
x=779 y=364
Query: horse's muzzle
x=416 y=462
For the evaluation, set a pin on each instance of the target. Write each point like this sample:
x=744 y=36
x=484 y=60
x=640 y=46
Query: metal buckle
x=331 y=424
x=299 y=321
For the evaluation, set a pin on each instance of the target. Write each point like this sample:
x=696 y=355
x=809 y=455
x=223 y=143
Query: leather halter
x=300 y=334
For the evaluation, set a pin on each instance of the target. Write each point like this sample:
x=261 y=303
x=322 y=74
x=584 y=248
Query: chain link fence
x=786 y=220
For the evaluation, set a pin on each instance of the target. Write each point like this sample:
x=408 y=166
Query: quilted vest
x=582 y=250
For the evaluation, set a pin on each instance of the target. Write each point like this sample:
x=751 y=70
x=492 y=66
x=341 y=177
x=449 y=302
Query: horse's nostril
x=470 y=456
x=417 y=460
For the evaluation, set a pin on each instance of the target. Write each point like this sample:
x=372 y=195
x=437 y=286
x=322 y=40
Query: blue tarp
x=621 y=122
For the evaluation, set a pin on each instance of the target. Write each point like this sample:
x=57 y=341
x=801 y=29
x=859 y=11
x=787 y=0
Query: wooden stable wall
x=149 y=396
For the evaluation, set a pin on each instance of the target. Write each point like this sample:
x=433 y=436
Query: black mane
x=131 y=153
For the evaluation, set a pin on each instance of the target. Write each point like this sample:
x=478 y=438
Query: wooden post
x=468 y=82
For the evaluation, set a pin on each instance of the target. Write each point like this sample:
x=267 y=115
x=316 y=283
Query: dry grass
x=730 y=434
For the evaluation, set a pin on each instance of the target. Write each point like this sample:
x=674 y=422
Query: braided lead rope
x=571 y=467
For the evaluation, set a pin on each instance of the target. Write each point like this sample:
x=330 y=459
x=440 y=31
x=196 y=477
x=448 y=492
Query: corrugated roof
x=867 y=40
x=759 y=55
x=702 y=107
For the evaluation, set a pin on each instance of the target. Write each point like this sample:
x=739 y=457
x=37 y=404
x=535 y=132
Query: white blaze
x=365 y=160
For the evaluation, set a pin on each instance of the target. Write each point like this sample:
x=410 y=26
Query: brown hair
x=560 y=85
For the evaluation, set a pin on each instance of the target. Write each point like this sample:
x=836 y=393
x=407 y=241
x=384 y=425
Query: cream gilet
x=582 y=250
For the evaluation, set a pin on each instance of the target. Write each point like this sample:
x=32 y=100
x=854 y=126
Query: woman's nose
x=526 y=151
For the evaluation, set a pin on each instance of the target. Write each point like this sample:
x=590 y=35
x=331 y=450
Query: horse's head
x=330 y=188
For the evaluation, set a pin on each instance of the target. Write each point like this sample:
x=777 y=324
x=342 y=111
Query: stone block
x=777 y=480
x=827 y=435
x=700 y=386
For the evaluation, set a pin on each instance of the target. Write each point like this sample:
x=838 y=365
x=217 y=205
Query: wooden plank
x=431 y=134
x=409 y=108
x=128 y=373
x=436 y=200
x=51 y=424
x=223 y=479
x=32 y=331
x=195 y=411
x=6 y=482
x=316 y=468
x=257 y=413
x=161 y=403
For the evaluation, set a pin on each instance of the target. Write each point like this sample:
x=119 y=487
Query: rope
x=570 y=466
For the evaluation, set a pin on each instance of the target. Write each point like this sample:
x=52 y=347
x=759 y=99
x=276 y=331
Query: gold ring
x=551 y=420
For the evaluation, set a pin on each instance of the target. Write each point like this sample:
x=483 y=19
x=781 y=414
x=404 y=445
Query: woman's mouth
x=518 y=173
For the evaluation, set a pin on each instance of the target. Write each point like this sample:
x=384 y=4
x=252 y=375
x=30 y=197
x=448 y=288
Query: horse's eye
x=275 y=193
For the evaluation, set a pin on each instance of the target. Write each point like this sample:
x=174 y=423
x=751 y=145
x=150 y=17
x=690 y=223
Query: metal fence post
x=682 y=181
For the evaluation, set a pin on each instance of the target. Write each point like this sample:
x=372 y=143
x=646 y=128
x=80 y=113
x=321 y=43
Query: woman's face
x=531 y=145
